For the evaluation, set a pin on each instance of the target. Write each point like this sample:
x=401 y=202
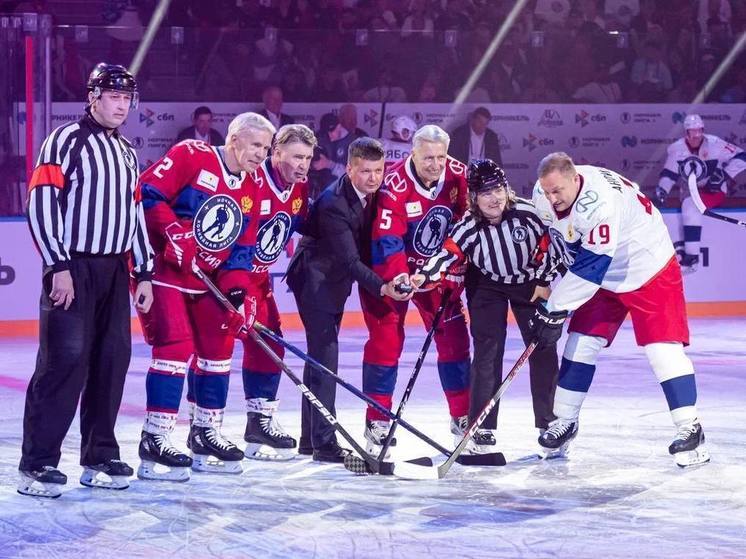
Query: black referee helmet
x=112 y=77
x=484 y=175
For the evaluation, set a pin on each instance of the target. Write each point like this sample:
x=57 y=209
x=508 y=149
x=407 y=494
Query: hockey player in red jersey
x=196 y=201
x=281 y=206
x=421 y=198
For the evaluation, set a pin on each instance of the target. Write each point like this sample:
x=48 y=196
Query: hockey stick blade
x=358 y=466
x=491 y=459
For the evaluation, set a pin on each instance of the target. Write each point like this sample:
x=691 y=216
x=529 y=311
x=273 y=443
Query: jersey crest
x=217 y=223
x=432 y=230
x=272 y=237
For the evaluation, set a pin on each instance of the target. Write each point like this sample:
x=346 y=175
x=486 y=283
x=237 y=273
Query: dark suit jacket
x=461 y=138
x=284 y=119
x=334 y=250
x=188 y=134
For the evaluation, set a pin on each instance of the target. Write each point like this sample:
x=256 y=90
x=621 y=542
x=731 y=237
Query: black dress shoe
x=330 y=452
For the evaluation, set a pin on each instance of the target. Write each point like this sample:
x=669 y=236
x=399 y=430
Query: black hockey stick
x=387 y=468
x=438 y=472
x=415 y=373
x=344 y=384
x=700 y=205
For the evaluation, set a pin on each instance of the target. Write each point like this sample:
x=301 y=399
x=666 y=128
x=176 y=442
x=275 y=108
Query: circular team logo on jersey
x=129 y=159
x=431 y=231
x=519 y=234
x=271 y=238
x=561 y=247
x=693 y=166
x=217 y=223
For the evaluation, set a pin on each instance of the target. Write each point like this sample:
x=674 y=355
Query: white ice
x=619 y=494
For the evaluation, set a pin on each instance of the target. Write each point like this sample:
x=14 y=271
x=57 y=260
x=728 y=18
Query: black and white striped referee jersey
x=82 y=197
x=505 y=252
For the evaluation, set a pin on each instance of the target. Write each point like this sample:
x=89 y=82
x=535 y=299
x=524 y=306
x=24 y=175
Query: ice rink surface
x=619 y=494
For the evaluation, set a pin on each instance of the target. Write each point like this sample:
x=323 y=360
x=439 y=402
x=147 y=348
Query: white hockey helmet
x=404 y=127
x=693 y=121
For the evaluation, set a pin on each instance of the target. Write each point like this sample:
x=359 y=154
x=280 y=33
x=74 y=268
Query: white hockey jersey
x=613 y=236
x=714 y=159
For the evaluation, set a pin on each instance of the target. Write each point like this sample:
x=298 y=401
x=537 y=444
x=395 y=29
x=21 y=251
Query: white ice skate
x=375 y=436
x=45 y=482
x=112 y=474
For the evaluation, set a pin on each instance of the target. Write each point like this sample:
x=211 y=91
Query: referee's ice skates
x=555 y=441
x=688 y=448
x=45 y=482
x=112 y=474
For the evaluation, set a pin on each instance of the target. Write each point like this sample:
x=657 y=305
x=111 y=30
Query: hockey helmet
x=401 y=124
x=693 y=121
x=484 y=175
x=114 y=78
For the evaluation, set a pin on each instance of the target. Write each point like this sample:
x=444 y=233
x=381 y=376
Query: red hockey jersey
x=412 y=221
x=192 y=185
x=277 y=213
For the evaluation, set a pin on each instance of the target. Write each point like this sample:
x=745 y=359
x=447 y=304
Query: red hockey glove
x=240 y=321
x=453 y=281
x=181 y=248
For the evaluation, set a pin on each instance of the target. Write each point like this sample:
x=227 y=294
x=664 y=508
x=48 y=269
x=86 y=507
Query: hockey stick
x=387 y=468
x=344 y=384
x=697 y=199
x=438 y=472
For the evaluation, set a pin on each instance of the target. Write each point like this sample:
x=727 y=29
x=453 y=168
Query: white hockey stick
x=700 y=205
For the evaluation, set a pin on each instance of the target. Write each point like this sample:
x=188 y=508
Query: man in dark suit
x=331 y=256
x=201 y=128
x=474 y=140
x=272 y=111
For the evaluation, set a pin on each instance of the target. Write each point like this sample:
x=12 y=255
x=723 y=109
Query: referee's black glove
x=546 y=327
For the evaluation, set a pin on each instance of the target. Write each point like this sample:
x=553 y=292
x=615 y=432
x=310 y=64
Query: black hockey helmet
x=484 y=175
x=112 y=77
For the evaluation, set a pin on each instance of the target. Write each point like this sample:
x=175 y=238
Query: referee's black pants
x=85 y=349
x=488 y=322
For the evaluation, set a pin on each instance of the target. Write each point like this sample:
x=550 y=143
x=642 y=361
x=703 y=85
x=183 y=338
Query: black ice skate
x=688 y=448
x=375 y=436
x=483 y=442
x=112 y=474
x=211 y=452
x=45 y=482
x=266 y=438
x=160 y=460
x=555 y=441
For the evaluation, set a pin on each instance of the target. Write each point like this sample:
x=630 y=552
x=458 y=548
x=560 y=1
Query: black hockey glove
x=546 y=327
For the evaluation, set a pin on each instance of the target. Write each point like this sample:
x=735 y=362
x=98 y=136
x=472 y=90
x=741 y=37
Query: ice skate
x=45 y=482
x=375 y=436
x=112 y=474
x=160 y=460
x=689 y=263
x=266 y=438
x=688 y=448
x=555 y=441
x=211 y=452
x=483 y=442
x=459 y=425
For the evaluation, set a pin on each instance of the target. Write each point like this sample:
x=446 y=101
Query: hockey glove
x=453 y=281
x=181 y=248
x=240 y=321
x=546 y=327
x=660 y=196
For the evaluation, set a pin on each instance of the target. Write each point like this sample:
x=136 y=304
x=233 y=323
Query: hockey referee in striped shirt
x=510 y=261
x=87 y=223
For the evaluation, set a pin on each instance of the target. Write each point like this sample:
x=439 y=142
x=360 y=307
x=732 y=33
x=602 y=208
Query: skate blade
x=691 y=458
x=258 y=451
x=153 y=471
x=100 y=480
x=35 y=488
x=561 y=453
x=211 y=464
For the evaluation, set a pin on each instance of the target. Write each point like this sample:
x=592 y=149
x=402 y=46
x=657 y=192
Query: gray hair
x=249 y=121
x=557 y=161
x=431 y=133
x=295 y=133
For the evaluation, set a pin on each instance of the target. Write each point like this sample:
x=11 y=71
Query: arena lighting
x=487 y=56
x=721 y=69
x=153 y=25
